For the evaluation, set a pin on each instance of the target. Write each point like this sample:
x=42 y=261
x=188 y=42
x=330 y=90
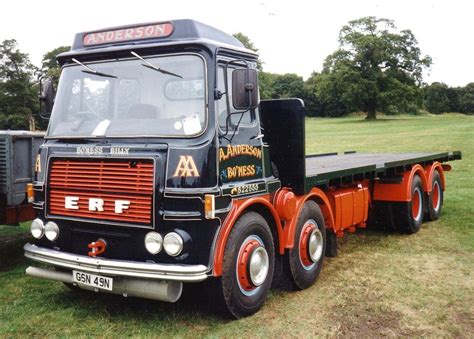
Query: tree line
x=19 y=86
x=377 y=68
x=440 y=98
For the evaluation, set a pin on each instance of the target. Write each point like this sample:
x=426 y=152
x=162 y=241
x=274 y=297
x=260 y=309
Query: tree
x=265 y=79
x=436 y=98
x=245 y=40
x=376 y=67
x=266 y=85
x=312 y=100
x=466 y=98
x=18 y=89
x=288 y=85
x=323 y=95
x=453 y=97
x=50 y=66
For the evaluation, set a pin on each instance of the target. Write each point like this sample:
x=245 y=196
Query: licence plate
x=93 y=280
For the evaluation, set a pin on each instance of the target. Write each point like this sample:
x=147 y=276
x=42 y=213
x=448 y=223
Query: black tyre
x=331 y=244
x=382 y=216
x=305 y=259
x=248 y=266
x=435 y=199
x=410 y=214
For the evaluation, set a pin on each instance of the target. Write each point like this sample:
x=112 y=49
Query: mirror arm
x=226 y=85
x=218 y=94
x=249 y=88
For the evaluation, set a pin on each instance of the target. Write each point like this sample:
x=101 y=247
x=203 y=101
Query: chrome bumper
x=120 y=268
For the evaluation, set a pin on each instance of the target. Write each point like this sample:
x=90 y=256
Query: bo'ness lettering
x=239 y=171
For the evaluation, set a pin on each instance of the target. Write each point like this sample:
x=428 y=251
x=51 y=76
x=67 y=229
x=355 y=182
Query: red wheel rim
x=252 y=265
x=308 y=228
x=416 y=204
x=304 y=252
x=435 y=200
x=242 y=264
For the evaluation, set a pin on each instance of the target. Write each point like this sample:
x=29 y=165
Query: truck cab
x=146 y=147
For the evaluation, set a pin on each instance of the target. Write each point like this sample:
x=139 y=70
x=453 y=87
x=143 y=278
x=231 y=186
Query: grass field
x=7 y=231
x=380 y=284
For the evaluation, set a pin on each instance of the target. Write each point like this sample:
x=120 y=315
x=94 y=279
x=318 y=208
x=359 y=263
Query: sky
x=292 y=36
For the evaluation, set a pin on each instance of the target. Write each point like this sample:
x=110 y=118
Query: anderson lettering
x=126 y=34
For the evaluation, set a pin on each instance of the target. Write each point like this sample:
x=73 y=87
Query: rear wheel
x=248 y=265
x=435 y=199
x=306 y=258
x=410 y=214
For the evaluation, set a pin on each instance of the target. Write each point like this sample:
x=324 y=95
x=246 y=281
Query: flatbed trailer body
x=176 y=173
x=322 y=170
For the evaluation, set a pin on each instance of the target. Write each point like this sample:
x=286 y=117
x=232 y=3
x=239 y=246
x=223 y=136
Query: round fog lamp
x=51 y=230
x=173 y=244
x=153 y=242
x=37 y=228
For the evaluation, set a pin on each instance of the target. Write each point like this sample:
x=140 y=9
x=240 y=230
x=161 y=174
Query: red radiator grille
x=108 y=180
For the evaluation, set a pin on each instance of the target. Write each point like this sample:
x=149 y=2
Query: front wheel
x=248 y=265
x=305 y=259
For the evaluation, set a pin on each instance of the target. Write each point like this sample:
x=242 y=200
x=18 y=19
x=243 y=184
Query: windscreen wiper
x=93 y=71
x=156 y=68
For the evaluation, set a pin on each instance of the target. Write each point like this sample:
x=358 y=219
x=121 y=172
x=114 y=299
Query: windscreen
x=155 y=96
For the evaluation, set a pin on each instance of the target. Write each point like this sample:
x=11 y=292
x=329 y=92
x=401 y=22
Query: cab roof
x=154 y=34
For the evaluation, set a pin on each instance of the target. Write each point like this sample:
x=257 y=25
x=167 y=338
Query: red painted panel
x=350 y=206
x=109 y=180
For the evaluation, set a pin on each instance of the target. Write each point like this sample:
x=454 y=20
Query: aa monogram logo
x=186 y=167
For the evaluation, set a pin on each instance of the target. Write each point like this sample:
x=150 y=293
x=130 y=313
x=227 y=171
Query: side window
x=221 y=106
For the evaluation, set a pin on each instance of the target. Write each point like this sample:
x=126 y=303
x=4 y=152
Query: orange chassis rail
x=344 y=209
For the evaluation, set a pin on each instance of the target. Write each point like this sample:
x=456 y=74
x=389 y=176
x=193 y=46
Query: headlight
x=173 y=244
x=37 y=228
x=51 y=231
x=153 y=242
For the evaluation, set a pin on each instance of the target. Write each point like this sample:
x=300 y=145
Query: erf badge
x=186 y=167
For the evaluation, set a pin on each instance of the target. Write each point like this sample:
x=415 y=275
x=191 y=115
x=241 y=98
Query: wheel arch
x=420 y=171
x=261 y=205
x=400 y=191
x=430 y=172
x=320 y=198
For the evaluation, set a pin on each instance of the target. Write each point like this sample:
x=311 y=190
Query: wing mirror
x=46 y=97
x=244 y=89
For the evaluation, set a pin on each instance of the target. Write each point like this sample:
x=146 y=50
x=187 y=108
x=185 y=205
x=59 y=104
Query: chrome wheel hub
x=311 y=245
x=315 y=245
x=258 y=266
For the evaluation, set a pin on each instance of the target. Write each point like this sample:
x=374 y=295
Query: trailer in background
x=18 y=150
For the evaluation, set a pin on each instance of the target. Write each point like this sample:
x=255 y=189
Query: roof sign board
x=158 y=30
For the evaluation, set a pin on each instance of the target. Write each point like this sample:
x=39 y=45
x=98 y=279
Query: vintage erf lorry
x=161 y=166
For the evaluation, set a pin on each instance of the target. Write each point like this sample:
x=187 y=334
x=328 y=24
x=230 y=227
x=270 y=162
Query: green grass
x=6 y=231
x=380 y=284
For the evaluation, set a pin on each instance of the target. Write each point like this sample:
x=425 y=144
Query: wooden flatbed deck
x=320 y=169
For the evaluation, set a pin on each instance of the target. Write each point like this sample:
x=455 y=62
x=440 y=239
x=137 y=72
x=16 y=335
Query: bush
x=412 y=109
x=391 y=110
